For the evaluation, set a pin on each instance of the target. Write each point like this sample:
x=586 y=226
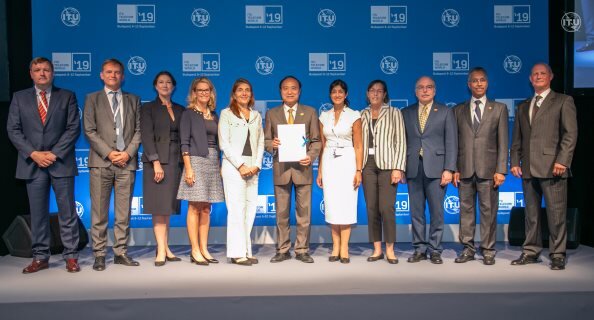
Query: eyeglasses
x=202 y=91
x=376 y=91
x=429 y=87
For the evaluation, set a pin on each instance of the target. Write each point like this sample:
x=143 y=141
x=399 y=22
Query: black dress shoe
x=99 y=264
x=280 y=257
x=465 y=256
x=173 y=259
x=125 y=259
x=558 y=263
x=253 y=260
x=488 y=260
x=376 y=258
x=160 y=263
x=417 y=256
x=333 y=258
x=198 y=262
x=345 y=260
x=436 y=258
x=241 y=261
x=525 y=259
x=392 y=261
x=586 y=47
x=213 y=260
x=304 y=257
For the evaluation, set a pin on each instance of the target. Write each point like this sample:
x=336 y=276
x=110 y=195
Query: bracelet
x=359 y=170
x=186 y=153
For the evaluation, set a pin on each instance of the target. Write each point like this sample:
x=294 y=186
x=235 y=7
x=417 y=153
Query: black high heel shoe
x=200 y=263
x=213 y=260
x=167 y=258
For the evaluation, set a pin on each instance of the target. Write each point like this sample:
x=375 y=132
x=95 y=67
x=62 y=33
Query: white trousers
x=241 y=197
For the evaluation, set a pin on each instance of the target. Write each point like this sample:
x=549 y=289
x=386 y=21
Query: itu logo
x=325 y=107
x=200 y=18
x=326 y=18
x=70 y=17
x=137 y=65
x=451 y=205
x=571 y=22
x=267 y=161
x=80 y=210
x=450 y=18
x=322 y=207
x=512 y=64
x=389 y=65
x=264 y=65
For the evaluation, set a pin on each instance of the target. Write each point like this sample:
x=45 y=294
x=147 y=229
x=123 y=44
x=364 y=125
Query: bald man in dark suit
x=544 y=138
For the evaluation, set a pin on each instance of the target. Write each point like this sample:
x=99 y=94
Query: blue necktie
x=120 y=145
x=477 y=115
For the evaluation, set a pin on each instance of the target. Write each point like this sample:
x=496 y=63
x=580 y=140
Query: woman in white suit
x=241 y=138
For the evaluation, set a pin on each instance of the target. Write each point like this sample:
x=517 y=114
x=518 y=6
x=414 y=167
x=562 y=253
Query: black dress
x=160 y=198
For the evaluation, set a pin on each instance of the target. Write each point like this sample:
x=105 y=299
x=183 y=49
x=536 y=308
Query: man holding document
x=292 y=136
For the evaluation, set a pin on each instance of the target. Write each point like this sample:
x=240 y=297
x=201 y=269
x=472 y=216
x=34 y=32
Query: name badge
x=371 y=151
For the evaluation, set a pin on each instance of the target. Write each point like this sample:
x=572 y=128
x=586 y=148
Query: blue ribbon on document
x=305 y=141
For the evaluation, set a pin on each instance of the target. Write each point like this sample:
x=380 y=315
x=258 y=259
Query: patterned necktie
x=291 y=118
x=120 y=145
x=423 y=117
x=476 y=121
x=535 y=107
x=423 y=121
x=42 y=106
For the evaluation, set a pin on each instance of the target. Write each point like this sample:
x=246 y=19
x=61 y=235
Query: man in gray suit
x=289 y=175
x=543 y=141
x=482 y=165
x=43 y=124
x=432 y=146
x=112 y=127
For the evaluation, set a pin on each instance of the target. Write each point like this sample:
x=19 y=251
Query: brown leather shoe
x=72 y=265
x=36 y=265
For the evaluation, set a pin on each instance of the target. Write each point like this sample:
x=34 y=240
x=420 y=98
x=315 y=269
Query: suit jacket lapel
x=298 y=114
x=281 y=115
x=487 y=114
x=466 y=114
x=33 y=104
x=54 y=100
x=546 y=103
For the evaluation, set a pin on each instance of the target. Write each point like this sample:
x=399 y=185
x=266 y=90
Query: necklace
x=206 y=115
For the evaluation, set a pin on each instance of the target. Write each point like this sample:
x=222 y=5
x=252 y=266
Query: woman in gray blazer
x=384 y=160
x=159 y=127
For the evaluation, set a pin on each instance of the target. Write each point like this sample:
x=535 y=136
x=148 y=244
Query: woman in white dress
x=339 y=172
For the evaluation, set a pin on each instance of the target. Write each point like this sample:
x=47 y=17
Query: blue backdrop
x=317 y=41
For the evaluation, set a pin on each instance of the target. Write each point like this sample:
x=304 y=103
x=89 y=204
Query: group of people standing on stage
x=426 y=145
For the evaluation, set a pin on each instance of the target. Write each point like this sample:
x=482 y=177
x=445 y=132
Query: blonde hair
x=193 y=96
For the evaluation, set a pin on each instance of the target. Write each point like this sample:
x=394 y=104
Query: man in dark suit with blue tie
x=482 y=165
x=543 y=141
x=43 y=124
x=432 y=148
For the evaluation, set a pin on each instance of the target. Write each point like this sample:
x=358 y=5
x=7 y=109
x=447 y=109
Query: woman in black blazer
x=161 y=157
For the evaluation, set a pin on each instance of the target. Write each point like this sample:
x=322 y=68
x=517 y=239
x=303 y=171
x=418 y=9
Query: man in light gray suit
x=112 y=127
x=482 y=165
x=289 y=175
x=543 y=141
x=431 y=144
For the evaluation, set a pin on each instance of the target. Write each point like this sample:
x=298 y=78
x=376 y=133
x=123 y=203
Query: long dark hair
x=343 y=86
x=233 y=105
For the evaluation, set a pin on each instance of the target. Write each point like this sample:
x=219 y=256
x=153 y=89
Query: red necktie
x=42 y=106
